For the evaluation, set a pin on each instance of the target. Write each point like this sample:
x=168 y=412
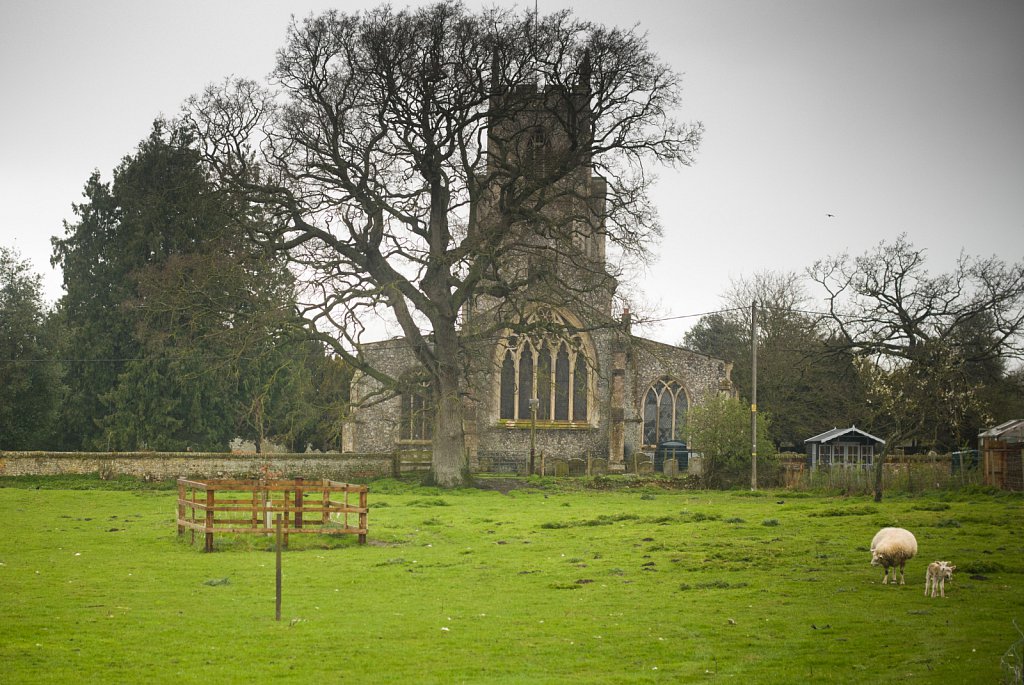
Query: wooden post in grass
x=362 y=516
x=277 y=609
x=209 y=520
x=192 y=528
x=181 y=506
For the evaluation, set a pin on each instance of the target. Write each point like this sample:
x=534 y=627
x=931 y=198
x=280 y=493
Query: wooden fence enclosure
x=250 y=506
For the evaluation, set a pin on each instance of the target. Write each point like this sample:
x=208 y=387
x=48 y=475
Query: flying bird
x=831 y=216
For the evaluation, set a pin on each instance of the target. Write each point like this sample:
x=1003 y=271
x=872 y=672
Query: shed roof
x=829 y=436
x=1010 y=430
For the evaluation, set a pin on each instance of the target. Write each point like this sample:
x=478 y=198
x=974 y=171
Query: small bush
x=948 y=523
x=770 y=522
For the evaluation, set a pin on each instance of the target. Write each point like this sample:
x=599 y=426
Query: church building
x=549 y=361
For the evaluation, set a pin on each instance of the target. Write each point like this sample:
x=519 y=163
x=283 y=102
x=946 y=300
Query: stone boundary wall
x=170 y=465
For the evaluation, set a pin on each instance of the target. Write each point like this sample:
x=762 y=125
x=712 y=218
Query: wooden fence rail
x=249 y=506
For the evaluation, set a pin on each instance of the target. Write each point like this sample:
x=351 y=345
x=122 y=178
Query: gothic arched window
x=551 y=368
x=664 y=412
x=417 y=417
x=535 y=154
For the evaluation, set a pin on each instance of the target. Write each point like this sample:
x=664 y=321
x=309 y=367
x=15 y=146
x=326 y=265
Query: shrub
x=719 y=430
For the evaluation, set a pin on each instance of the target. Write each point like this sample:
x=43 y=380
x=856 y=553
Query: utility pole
x=753 y=395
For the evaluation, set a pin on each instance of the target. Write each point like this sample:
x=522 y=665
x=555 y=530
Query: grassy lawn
x=541 y=585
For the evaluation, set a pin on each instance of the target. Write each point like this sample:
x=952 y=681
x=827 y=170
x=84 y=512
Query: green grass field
x=552 y=584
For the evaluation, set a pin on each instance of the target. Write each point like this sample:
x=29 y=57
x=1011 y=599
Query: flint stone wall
x=169 y=465
x=700 y=375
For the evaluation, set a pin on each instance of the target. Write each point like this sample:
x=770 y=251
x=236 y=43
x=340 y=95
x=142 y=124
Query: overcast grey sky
x=892 y=115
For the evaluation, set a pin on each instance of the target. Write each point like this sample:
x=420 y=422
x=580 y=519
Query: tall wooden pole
x=277 y=610
x=753 y=395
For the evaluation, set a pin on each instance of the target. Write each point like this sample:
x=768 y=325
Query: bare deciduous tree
x=398 y=167
x=916 y=335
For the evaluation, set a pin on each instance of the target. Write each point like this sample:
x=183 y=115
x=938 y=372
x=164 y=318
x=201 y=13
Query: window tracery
x=664 y=412
x=547 y=366
x=417 y=417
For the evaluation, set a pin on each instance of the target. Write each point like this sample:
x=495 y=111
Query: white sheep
x=892 y=548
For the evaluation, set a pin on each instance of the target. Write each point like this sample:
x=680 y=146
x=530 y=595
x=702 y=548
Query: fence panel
x=249 y=507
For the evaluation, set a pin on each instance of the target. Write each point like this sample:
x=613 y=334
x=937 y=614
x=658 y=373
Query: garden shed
x=1002 y=455
x=850 y=447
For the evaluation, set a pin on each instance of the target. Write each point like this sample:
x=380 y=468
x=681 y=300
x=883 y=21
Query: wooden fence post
x=209 y=519
x=181 y=507
x=362 y=515
x=255 y=505
x=192 y=528
x=326 y=504
x=287 y=514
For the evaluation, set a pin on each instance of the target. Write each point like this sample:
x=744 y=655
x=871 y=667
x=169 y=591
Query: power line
x=400 y=343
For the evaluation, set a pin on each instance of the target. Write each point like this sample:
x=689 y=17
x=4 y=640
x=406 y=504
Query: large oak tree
x=371 y=152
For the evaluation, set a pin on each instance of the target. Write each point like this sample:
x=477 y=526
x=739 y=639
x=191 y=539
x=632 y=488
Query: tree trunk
x=879 y=469
x=448 y=463
x=259 y=425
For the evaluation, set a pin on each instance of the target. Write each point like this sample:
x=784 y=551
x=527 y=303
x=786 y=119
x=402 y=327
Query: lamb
x=937 y=574
x=892 y=548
